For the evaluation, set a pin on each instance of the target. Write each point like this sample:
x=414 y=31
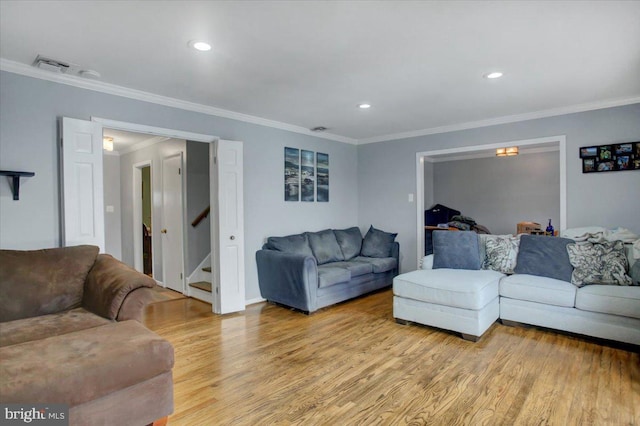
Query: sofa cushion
x=43 y=326
x=456 y=250
x=601 y=263
x=82 y=366
x=325 y=247
x=449 y=287
x=350 y=241
x=328 y=275
x=296 y=244
x=377 y=243
x=355 y=268
x=41 y=282
x=616 y=300
x=501 y=252
x=379 y=264
x=544 y=256
x=538 y=289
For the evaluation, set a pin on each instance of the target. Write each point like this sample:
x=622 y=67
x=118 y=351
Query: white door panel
x=82 y=183
x=231 y=295
x=172 y=223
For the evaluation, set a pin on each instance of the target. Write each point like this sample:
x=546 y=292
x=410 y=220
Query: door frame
x=559 y=141
x=137 y=214
x=176 y=134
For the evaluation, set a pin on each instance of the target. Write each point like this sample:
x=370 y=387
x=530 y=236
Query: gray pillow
x=325 y=246
x=456 y=250
x=544 y=256
x=377 y=243
x=350 y=241
x=296 y=244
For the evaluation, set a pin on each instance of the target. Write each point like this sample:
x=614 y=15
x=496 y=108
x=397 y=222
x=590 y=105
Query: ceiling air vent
x=53 y=65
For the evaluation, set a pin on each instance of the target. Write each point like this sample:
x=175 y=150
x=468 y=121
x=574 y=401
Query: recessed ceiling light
x=200 y=45
x=495 y=74
x=364 y=106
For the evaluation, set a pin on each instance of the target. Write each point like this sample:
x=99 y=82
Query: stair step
x=202 y=285
x=207 y=269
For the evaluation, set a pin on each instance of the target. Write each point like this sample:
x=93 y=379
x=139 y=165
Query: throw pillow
x=544 y=256
x=350 y=241
x=456 y=250
x=325 y=246
x=602 y=263
x=501 y=253
x=296 y=244
x=377 y=243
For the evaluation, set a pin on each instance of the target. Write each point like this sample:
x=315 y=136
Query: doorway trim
x=138 y=260
x=560 y=141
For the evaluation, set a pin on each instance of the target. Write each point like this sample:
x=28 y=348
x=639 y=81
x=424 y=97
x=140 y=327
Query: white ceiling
x=309 y=63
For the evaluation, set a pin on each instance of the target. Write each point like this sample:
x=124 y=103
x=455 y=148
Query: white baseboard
x=254 y=301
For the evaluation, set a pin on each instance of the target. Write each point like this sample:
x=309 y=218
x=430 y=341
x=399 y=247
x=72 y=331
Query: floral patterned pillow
x=501 y=253
x=601 y=263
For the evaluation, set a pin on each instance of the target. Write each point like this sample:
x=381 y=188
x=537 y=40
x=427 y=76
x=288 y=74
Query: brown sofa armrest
x=108 y=284
x=133 y=306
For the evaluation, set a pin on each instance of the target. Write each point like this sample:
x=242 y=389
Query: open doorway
x=147 y=221
x=425 y=187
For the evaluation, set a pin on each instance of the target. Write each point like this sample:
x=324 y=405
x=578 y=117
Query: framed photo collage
x=610 y=158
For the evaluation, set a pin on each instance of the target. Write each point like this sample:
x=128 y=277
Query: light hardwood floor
x=352 y=364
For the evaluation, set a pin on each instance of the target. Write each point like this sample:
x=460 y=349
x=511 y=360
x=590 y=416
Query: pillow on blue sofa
x=545 y=257
x=456 y=250
x=296 y=244
x=377 y=243
x=350 y=241
x=325 y=246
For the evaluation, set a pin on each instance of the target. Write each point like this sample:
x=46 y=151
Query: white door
x=171 y=230
x=230 y=289
x=82 y=183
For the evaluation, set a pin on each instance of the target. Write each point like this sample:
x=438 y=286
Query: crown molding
x=112 y=89
x=504 y=120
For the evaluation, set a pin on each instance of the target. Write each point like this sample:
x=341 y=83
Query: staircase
x=200 y=282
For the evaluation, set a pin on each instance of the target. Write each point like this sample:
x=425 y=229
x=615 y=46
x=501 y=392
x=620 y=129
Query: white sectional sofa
x=468 y=301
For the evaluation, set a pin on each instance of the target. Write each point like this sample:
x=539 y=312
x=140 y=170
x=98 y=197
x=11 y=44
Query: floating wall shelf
x=15 y=176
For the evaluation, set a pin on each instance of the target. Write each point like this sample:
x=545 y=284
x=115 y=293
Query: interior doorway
x=171 y=234
x=147 y=221
x=422 y=201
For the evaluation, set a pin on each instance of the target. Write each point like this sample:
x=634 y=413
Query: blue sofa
x=313 y=270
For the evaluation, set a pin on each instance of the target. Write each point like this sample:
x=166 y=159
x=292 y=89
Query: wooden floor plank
x=352 y=364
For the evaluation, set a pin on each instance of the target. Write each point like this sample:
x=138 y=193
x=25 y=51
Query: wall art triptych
x=306 y=175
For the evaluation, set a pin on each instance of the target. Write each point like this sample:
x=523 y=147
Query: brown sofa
x=70 y=333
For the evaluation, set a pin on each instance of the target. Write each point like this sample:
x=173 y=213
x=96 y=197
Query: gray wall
x=198 y=238
x=154 y=153
x=28 y=134
x=387 y=172
x=499 y=192
x=112 y=221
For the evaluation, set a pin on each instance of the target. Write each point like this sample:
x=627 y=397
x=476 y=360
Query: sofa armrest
x=108 y=284
x=289 y=279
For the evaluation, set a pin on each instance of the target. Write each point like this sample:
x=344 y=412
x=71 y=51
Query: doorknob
x=232 y=237
x=164 y=231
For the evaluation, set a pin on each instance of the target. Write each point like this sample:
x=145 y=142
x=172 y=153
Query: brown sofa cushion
x=41 y=282
x=36 y=328
x=82 y=366
x=108 y=283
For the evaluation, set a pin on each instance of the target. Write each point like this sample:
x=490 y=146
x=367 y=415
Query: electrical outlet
x=411 y=198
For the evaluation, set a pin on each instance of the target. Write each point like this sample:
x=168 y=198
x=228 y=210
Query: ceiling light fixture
x=364 y=106
x=200 y=45
x=492 y=75
x=107 y=143
x=507 y=152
